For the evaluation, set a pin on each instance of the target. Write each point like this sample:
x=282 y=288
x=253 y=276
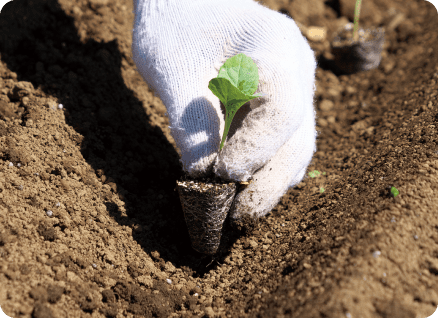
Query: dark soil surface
x=90 y=224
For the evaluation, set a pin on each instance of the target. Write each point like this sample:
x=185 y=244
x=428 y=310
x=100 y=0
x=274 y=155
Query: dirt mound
x=91 y=224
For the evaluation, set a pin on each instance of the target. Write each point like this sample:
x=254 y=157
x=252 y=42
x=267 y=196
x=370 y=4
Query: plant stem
x=228 y=119
x=356 y=19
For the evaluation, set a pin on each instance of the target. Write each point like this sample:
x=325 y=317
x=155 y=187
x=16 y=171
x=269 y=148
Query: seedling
x=206 y=203
x=235 y=85
x=314 y=173
x=394 y=192
x=321 y=190
x=359 y=50
x=356 y=19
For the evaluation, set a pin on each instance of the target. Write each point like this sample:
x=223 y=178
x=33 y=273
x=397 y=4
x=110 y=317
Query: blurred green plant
x=394 y=192
x=316 y=173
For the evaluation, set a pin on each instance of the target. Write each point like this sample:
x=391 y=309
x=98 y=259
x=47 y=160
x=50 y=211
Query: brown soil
x=115 y=243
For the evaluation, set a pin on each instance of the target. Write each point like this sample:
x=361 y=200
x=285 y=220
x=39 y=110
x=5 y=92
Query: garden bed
x=91 y=224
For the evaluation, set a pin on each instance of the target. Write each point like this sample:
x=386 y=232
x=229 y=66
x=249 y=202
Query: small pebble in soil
x=282 y=224
x=376 y=254
x=58 y=204
x=60 y=106
x=415 y=237
x=169 y=281
x=384 y=274
x=393 y=219
x=348 y=315
x=20 y=187
x=49 y=213
x=36 y=173
x=18 y=164
x=349 y=26
x=11 y=164
x=196 y=294
x=94 y=266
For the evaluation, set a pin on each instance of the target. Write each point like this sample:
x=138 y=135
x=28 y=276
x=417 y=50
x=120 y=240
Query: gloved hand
x=179 y=46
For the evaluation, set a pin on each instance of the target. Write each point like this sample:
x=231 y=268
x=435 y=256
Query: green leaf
x=234 y=86
x=321 y=190
x=230 y=96
x=394 y=192
x=242 y=72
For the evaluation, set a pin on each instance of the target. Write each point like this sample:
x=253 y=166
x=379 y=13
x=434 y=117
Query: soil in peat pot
x=205 y=203
x=90 y=224
x=363 y=54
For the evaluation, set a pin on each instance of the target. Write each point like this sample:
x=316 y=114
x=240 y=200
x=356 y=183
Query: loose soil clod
x=205 y=207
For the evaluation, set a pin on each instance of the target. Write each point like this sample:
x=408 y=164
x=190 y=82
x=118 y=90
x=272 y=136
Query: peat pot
x=360 y=54
x=205 y=206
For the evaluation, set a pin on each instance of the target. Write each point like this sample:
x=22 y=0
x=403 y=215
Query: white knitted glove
x=179 y=46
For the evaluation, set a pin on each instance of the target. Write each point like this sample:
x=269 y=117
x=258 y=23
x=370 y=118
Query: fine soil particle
x=246 y=224
x=54 y=293
x=116 y=243
x=42 y=311
x=38 y=293
x=47 y=232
